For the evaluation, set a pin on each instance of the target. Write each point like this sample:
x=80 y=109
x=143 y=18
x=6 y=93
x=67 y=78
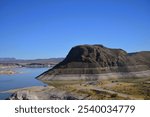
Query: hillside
x=98 y=59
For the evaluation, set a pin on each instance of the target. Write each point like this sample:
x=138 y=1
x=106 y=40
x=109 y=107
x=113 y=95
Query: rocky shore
x=42 y=93
x=107 y=88
x=95 y=77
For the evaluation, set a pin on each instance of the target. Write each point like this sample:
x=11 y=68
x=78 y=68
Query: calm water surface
x=25 y=79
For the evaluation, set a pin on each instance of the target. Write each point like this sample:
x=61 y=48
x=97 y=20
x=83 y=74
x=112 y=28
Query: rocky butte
x=93 y=62
x=93 y=72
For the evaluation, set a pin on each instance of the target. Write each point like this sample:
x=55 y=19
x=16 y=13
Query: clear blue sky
x=49 y=28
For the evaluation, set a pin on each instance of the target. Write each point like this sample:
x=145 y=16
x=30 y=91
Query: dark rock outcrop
x=97 y=59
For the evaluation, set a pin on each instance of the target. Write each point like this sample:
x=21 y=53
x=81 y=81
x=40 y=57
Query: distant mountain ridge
x=29 y=63
x=7 y=59
x=97 y=59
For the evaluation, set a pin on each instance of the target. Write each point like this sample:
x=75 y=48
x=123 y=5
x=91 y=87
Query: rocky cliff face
x=97 y=59
x=91 y=56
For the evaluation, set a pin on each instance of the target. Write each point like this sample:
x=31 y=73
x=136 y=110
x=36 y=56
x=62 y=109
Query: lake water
x=26 y=78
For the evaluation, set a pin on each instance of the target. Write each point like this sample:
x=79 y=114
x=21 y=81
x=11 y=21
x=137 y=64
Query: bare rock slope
x=86 y=60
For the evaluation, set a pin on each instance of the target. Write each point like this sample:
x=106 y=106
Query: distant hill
x=7 y=59
x=97 y=59
x=30 y=63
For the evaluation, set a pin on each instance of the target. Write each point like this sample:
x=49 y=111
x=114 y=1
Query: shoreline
x=7 y=72
x=95 y=76
x=90 y=86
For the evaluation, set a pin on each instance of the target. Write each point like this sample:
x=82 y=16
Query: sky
x=31 y=29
